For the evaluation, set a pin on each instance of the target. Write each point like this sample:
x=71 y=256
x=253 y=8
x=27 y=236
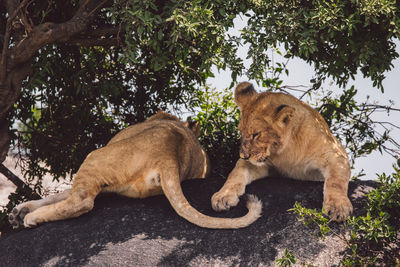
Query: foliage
x=312 y=216
x=219 y=119
x=386 y=198
x=185 y=38
x=338 y=37
x=286 y=260
x=370 y=235
x=70 y=113
x=353 y=124
x=78 y=97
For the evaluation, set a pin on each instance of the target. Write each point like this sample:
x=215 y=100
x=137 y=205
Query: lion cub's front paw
x=223 y=200
x=30 y=220
x=17 y=215
x=338 y=207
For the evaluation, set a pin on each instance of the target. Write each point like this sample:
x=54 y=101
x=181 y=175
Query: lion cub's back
x=160 y=135
x=134 y=151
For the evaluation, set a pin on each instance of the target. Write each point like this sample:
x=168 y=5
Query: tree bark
x=4 y=140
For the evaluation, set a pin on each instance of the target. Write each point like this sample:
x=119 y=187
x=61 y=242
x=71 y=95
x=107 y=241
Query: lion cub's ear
x=194 y=126
x=243 y=92
x=284 y=114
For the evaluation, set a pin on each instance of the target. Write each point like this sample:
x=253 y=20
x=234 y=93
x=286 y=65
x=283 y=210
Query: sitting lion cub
x=143 y=160
x=282 y=134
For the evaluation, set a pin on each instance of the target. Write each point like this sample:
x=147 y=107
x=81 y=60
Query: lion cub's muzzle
x=255 y=156
x=243 y=154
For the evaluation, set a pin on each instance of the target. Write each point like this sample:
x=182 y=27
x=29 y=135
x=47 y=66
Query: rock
x=132 y=232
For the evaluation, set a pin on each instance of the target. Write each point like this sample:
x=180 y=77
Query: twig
x=293 y=88
x=25 y=189
x=24 y=19
x=381 y=107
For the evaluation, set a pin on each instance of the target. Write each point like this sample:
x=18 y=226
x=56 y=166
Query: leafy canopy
x=338 y=37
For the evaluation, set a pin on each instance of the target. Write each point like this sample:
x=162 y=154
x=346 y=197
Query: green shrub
x=387 y=197
x=371 y=236
x=220 y=137
x=312 y=216
x=286 y=260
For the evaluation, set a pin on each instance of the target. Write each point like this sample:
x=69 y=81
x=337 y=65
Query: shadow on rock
x=130 y=232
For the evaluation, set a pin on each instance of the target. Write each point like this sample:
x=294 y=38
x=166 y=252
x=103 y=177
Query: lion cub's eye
x=255 y=135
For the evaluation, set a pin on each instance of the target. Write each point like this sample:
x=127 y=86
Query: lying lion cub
x=282 y=134
x=143 y=160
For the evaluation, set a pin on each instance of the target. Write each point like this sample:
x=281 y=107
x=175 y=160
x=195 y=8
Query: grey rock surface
x=121 y=231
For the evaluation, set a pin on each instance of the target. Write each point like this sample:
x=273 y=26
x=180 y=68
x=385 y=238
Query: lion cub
x=281 y=133
x=142 y=160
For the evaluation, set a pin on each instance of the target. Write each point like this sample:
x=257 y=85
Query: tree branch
x=25 y=189
x=44 y=34
x=48 y=32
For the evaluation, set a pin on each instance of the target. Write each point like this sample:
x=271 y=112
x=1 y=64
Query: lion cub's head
x=265 y=123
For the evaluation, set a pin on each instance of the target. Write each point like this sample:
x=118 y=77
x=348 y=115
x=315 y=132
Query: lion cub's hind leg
x=79 y=201
x=16 y=218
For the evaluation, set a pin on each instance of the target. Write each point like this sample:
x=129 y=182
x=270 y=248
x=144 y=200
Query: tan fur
x=282 y=134
x=143 y=160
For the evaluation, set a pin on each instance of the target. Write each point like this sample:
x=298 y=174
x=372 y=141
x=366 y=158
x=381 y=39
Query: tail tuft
x=254 y=205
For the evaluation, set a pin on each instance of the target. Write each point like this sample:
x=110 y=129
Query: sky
x=301 y=72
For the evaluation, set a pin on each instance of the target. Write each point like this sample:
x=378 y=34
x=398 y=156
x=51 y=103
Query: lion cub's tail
x=173 y=191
